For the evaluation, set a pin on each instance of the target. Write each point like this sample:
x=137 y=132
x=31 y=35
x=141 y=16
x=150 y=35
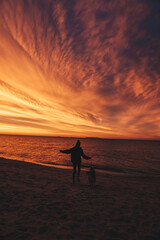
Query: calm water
x=130 y=156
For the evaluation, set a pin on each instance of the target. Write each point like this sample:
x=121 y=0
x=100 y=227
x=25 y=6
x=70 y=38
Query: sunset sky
x=80 y=68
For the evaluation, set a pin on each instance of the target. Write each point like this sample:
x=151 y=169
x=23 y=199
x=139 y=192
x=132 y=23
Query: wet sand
x=40 y=202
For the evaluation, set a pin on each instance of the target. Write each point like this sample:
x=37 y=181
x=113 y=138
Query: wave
x=105 y=169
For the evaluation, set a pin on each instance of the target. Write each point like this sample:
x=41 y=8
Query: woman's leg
x=74 y=172
x=79 y=169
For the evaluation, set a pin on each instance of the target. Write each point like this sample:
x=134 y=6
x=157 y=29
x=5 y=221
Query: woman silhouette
x=76 y=153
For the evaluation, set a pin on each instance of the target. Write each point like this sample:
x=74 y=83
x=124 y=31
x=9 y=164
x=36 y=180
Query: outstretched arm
x=84 y=156
x=67 y=151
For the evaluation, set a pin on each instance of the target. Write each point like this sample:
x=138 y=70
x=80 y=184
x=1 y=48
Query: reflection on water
x=113 y=155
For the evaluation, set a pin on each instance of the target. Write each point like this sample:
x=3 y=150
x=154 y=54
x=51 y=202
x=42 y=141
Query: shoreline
x=40 y=202
x=109 y=171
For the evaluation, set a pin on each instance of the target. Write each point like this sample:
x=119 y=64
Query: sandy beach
x=40 y=202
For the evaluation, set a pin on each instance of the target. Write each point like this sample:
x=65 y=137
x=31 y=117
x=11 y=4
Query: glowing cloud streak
x=77 y=68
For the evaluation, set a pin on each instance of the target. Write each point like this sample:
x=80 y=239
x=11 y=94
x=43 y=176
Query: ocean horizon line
x=79 y=137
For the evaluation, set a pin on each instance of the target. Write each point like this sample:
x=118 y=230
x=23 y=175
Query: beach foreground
x=40 y=202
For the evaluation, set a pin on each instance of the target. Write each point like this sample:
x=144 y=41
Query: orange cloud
x=80 y=68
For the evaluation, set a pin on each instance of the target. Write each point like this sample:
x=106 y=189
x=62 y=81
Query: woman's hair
x=78 y=143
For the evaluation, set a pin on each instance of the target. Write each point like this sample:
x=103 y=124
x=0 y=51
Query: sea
x=108 y=155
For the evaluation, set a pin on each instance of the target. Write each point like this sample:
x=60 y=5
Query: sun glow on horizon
x=82 y=74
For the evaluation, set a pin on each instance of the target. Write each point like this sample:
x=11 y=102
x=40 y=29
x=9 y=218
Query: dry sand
x=40 y=202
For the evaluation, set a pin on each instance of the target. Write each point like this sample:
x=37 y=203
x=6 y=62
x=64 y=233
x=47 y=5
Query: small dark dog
x=91 y=177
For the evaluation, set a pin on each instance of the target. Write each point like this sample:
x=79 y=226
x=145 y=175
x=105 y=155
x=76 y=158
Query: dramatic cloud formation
x=80 y=68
